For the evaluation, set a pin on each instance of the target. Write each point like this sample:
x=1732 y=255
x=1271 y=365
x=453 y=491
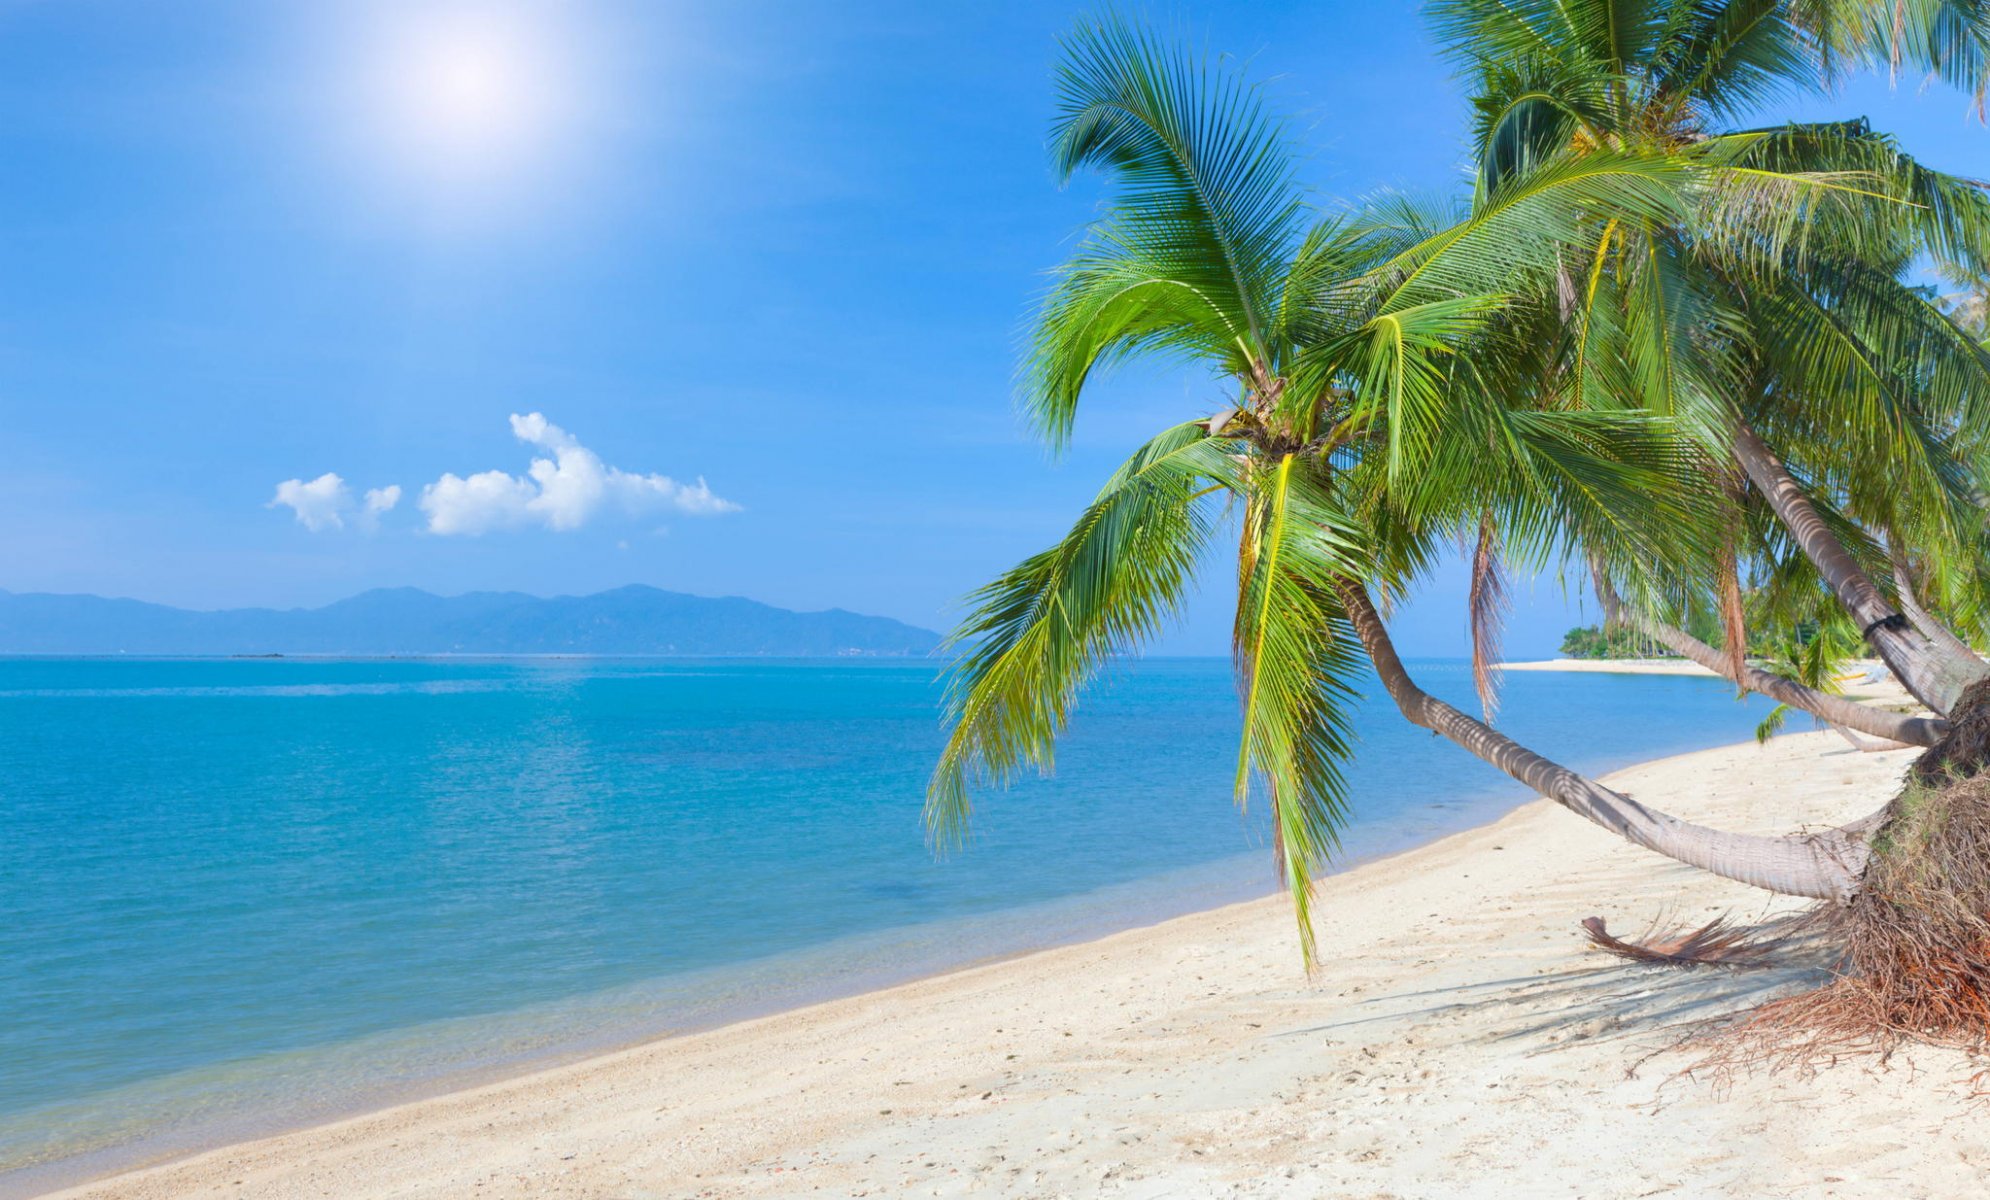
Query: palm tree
x=1774 y=324
x=1371 y=415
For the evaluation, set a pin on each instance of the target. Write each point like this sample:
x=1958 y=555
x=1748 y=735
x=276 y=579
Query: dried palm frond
x=1734 y=618
x=1718 y=943
x=1489 y=603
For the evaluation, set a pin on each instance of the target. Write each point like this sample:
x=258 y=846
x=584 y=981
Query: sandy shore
x=1614 y=666
x=1460 y=1042
x=1865 y=679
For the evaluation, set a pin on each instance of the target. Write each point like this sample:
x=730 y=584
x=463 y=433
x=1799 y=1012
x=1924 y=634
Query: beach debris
x=1718 y=943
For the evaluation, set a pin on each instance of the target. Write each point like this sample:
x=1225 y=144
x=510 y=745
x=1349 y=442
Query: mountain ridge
x=634 y=619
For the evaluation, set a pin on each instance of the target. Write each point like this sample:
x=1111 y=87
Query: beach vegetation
x=1606 y=641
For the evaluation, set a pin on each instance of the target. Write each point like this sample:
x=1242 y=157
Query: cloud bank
x=563 y=492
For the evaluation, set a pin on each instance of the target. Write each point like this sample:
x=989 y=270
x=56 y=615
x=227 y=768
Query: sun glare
x=463 y=110
x=470 y=93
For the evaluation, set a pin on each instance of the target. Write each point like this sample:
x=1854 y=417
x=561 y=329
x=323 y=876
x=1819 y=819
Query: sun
x=464 y=120
x=465 y=97
x=470 y=93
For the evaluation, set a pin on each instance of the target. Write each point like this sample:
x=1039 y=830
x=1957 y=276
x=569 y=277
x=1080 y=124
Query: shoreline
x=952 y=1079
x=1061 y=923
x=1614 y=666
x=874 y=917
x=848 y=968
x=1865 y=679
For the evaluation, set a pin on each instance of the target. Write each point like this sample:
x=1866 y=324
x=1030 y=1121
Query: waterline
x=252 y=896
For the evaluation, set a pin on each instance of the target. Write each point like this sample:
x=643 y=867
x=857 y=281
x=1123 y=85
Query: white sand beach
x=1614 y=666
x=1460 y=1041
x=1864 y=679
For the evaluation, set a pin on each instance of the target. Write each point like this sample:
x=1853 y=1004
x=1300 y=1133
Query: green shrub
x=1590 y=641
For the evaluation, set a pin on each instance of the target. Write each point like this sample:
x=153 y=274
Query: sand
x=1461 y=1041
x=1614 y=666
x=1863 y=679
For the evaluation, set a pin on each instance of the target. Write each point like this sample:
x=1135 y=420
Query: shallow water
x=244 y=894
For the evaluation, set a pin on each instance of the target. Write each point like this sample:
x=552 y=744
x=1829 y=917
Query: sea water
x=238 y=895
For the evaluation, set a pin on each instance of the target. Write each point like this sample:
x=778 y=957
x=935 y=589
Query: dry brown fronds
x=1718 y=943
x=1488 y=604
x=1911 y=950
x=1734 y=616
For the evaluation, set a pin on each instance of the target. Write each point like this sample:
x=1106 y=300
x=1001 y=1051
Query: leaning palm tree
x=1368 y=416
x=1774 y=324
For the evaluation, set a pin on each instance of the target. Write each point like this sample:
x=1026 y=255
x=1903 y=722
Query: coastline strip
x=1457 y=1030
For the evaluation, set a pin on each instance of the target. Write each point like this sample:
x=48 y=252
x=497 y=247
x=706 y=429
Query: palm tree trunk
x=1925 y=621
x=1834 y=710
x=1935 y=678
x=1822 y=866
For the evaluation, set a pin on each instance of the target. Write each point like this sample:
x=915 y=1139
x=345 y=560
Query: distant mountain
x=629 y=620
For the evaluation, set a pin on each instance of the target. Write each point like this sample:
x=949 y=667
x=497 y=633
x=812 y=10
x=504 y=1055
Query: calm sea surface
x=239 y=895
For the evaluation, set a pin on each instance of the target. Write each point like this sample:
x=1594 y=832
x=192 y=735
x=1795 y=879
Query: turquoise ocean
x=243 y=895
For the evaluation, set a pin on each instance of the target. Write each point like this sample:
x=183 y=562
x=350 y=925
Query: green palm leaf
x=1035 y=635
x=1199 y=236
x=1295 y=658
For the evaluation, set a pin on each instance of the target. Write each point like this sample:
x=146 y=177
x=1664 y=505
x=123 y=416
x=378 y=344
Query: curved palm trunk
x=1925 y=621
x=1935 y=678
x=1823 y=866
x=1836 y=711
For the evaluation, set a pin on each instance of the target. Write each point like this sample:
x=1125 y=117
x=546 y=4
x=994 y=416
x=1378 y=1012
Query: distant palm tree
x=1373 y=411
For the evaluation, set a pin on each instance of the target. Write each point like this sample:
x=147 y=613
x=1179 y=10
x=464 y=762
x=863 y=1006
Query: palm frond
x=1733 y=56
x=1529 y=227
x=1295 y=657
x=1850 y=188
x=1942 y=39
x=1201 y=225
x=1396 y=364
x=1039 y=632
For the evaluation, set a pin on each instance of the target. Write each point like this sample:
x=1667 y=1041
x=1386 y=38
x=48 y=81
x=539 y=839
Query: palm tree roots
x=1912 y=948
x=1914 y=944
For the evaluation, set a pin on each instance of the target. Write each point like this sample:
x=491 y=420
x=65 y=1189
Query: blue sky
x=759 y=267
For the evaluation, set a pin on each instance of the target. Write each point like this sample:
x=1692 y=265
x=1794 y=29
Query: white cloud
x=483 y=502
x=380 y=500
x=320 y=504
x=563 y=492
x=326 y=503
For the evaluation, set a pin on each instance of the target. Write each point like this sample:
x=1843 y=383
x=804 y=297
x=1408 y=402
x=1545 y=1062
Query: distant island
x=629 y=620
